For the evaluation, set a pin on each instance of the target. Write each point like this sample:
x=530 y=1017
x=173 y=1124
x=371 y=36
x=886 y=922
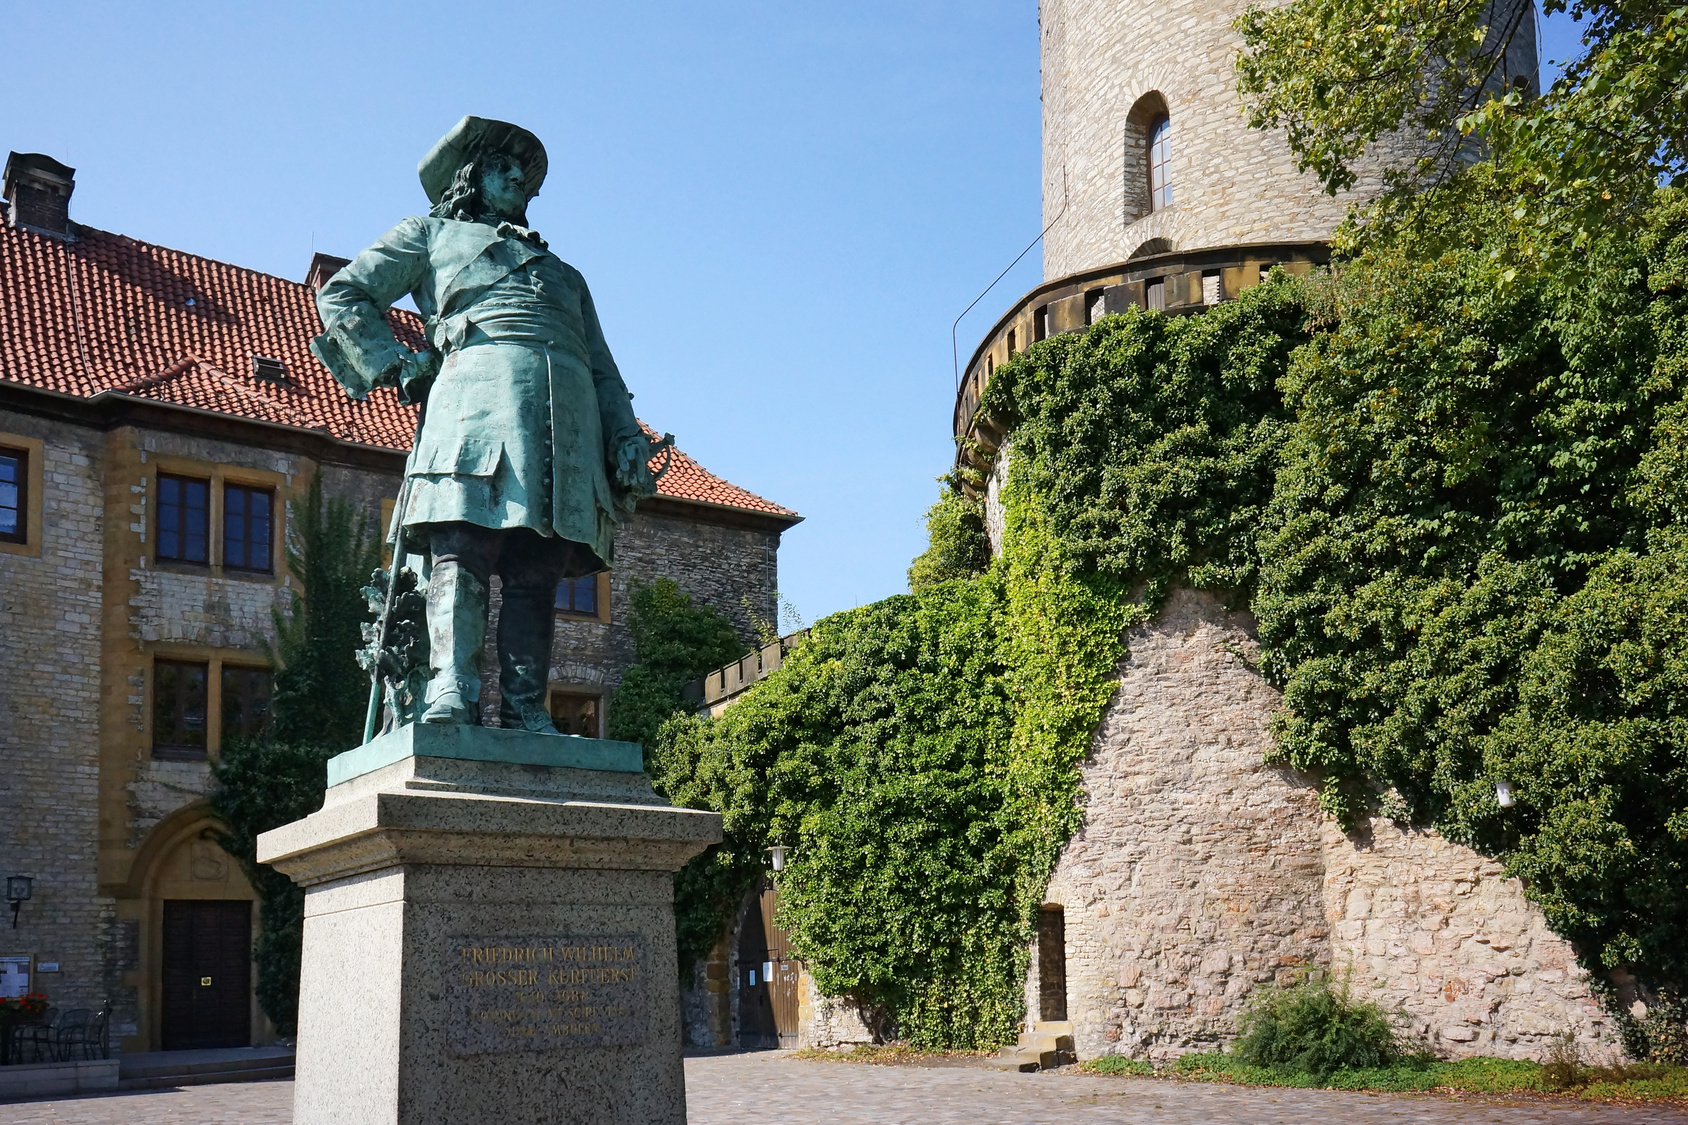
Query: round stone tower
x=1114 y=73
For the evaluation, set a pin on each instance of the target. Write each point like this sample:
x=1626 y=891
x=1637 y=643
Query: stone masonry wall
x=1201 y=873
x=733 y=569
x=49 y=720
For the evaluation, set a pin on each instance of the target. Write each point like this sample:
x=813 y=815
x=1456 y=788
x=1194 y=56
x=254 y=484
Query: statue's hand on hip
x=416 y=375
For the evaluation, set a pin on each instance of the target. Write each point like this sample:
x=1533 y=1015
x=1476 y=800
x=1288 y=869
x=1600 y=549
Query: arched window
x=1160 y=163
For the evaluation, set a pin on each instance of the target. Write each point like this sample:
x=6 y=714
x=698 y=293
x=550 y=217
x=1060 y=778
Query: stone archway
x=179 y=860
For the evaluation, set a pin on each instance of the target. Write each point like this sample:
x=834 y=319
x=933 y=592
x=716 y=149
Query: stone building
x=158 y=412
x=1200 y=871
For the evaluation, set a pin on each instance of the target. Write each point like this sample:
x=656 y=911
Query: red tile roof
x=106 y=313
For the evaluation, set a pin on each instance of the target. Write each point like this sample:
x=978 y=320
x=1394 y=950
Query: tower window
x=1160 y=159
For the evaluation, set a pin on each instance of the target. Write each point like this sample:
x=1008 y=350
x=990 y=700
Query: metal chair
x=37 y=1035
x=71 y=1034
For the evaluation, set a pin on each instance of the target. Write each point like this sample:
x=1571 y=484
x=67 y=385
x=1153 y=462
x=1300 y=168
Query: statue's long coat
x=514 y=435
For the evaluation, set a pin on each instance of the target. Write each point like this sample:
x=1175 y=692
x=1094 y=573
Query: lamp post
x=777 y=853
x=18 y=888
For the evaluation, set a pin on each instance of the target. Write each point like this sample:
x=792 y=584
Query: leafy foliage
x=955 y=530
x=922 y=753
x=1316 y=1029
x=1481 y=1075
x=1425 y=85
x=1464 y=577
x=1338 y=76
x=675 y=642
x=317 y=711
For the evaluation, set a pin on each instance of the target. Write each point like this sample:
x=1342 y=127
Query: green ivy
x=674 y=642
x=922 y=754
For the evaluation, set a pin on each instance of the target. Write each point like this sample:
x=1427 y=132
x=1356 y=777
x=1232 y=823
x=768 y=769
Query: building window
x=574 y=713
x=246 y=701
x=178 y=710
x=14 y=496
x=1095 y=305
x=578 y=596
x=246 y=527
x=1160 y=160
x=1010 y=343
x=182 y=518
x=1156 y=293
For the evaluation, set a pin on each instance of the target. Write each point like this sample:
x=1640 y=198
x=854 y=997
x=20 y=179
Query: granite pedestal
x=489 y=933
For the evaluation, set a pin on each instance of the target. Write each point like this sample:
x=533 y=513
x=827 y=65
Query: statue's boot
x=525 y=625
x=457 y=605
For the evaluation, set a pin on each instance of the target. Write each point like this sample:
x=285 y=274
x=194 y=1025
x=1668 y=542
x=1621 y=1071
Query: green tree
x=1427 y=78
x=674 y=642
x=317 y=711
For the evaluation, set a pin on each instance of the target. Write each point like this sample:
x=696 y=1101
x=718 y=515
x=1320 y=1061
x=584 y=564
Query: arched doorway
x=767 y=976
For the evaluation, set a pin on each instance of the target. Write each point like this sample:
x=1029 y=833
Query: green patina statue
x=528 y=448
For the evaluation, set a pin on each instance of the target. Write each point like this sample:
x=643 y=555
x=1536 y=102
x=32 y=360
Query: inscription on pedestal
x=535 y=993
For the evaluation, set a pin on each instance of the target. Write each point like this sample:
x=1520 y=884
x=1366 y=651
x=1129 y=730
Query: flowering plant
x=31 y=1005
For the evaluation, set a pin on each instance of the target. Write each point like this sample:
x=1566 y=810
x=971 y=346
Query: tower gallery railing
x=1177 y=282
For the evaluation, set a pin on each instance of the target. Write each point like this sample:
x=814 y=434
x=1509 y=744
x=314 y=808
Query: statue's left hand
x=632 y=466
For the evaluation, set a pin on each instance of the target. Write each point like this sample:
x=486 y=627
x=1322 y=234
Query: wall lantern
x=1503 y=794
x=18 y=888
x=778 y=853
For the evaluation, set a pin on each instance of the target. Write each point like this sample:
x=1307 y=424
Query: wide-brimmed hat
x=473 y=137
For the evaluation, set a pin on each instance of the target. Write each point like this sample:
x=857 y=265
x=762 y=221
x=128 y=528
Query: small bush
x=1117 y=1064
x=1317 y=1030
x=1561 y=1061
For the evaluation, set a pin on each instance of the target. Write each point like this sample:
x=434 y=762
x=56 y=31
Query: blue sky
x=780 y=207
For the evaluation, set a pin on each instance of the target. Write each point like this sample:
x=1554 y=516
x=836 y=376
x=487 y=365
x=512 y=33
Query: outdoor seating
x=37 y=1036
x=70 y=1034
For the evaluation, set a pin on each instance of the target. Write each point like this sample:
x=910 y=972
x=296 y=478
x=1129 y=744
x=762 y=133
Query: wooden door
x=1051 y=963
x=767 y=976
x=781 y=970
x=207 y=974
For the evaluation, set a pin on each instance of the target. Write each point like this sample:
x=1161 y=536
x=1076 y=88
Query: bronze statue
x=528 y=448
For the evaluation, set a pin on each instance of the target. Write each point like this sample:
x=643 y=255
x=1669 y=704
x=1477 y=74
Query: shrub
x=1317 y=1030
x=1117 y=1064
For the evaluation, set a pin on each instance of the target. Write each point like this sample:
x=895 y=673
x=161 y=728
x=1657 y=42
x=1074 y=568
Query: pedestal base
x=488 y=941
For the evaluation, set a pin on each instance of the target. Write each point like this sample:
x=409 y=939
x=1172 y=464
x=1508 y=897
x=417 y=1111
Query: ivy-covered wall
x=1449 y=491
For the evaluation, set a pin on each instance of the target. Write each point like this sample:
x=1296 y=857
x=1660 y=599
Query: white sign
x=14 y=975
x=47 y=967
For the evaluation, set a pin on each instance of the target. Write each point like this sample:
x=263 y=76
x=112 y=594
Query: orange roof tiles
x=108 y=313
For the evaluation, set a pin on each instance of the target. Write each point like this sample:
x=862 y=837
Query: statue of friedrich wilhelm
x=528 y=450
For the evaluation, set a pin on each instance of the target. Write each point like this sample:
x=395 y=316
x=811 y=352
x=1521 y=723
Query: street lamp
x=778 y=853
x=1503 y=793
x=18 y=888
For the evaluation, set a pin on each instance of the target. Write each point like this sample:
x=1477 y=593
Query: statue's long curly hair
x=462 y=200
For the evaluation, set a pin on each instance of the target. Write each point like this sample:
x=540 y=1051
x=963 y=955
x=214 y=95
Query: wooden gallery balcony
x=1175 y=283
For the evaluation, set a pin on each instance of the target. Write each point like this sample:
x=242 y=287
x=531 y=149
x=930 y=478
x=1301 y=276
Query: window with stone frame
x=14 y=495
x=578 y=596
x=179 y=701
x=246 y=527
x=577 y=713
x=246 y=701
x=183 y=520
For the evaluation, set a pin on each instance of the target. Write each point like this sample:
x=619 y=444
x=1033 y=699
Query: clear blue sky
x=780 y=207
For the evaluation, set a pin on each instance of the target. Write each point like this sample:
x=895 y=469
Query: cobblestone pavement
x=779 y=1090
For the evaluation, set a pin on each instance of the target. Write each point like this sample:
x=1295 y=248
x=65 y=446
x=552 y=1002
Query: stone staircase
x=1041 y=1046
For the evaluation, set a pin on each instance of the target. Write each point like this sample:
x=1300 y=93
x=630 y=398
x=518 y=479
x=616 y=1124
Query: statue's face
x=501 y=188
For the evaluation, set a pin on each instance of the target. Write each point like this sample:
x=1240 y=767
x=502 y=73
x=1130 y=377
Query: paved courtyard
x=779 y=1090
